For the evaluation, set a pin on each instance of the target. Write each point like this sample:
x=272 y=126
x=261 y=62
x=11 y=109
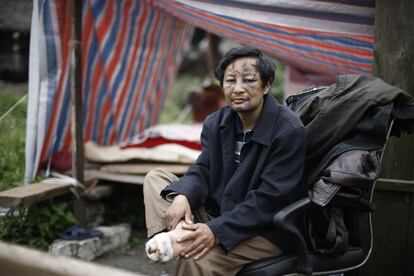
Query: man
x=249 y=168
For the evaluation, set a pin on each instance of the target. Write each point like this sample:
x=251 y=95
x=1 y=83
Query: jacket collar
x=263 y=129
x=264 y=126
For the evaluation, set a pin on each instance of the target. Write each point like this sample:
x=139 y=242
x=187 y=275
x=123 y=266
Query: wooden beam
x=76 y=92
x=116 y=177
x=76 y=107
x=33 y=193
x=396 y=185
x=143 y=169
x=20 y=261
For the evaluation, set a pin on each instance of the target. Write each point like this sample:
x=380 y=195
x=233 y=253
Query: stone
x=88 y=249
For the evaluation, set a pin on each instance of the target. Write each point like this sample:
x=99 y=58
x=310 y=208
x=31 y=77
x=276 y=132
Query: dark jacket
x=352 y=114
x=347 y=125
x=243 y=201
x=331 y=114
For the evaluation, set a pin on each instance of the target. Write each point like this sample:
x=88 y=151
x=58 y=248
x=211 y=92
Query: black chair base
x=286 y=264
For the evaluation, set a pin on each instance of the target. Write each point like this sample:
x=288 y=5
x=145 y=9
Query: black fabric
x=351 y=115
x=331 y=115
x=286 y=264
x=327 y=231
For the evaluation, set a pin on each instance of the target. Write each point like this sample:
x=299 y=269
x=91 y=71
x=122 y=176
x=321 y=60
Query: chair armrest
x=285 y=220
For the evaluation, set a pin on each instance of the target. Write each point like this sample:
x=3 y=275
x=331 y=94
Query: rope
x=13 y=107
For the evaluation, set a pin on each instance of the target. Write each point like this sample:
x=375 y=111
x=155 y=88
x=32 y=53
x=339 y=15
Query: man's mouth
x=239 y=100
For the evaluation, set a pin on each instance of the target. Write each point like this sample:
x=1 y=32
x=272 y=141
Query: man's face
x=242 y=85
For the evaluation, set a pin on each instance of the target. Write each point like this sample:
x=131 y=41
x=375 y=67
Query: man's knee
x=213 y=263
x=155 y=181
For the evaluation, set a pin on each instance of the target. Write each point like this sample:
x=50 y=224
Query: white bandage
x=159 y=248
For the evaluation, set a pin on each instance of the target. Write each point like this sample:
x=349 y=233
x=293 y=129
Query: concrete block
x=88 y=249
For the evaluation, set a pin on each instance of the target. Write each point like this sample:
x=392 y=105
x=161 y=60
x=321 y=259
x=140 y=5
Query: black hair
x=266 y=66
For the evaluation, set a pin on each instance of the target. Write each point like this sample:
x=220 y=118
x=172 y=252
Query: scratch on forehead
x=247 y=65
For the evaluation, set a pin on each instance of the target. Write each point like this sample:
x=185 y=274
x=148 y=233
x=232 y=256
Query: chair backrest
x=359 y=222
x=358 y=214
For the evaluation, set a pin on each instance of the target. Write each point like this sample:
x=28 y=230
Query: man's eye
x=250 y=80
x=229 y=80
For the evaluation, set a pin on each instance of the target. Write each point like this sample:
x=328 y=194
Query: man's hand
x=203 y=240
x=179 y=209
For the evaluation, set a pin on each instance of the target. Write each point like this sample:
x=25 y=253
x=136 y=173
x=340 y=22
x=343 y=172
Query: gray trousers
x=216 y=261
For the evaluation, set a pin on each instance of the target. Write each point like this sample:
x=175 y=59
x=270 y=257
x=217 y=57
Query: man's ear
x=267 y=88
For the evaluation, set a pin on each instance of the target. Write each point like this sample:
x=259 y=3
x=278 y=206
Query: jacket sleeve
x=280 y=182
x=194 y=184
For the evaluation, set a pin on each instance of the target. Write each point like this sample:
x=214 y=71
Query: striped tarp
x=130 y=54
x=131 y=49
x=318 y=36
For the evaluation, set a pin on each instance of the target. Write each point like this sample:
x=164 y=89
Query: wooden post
x=394 y=63
x=393 y=223
x=212 y=55
x=20 y=261
x=76 y=104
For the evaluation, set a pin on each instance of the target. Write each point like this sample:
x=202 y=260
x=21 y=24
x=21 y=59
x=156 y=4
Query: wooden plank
x=115 y=177
x=20 y=261
x=143 y=169
x=32 y=193
x=396 y=185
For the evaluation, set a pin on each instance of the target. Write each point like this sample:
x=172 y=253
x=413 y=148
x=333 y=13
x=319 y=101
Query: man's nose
x=239 y=86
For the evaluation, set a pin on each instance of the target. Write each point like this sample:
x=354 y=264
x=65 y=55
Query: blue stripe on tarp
x=111 y=40
x=361 y=3
x=92 y=60
x=48 y=27
x=332 y=16
x=63 y=120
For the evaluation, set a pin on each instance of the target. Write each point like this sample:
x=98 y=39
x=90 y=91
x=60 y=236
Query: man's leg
x=155 y=206
x=217 y=262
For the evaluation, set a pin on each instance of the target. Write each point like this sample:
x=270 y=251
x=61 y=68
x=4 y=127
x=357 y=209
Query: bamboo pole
x=76 y=105
x=20 y=261
x=212 y=55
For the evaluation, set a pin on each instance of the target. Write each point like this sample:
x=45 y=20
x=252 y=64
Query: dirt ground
x=135 y=260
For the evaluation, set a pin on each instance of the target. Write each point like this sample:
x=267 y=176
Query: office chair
x=305 y=261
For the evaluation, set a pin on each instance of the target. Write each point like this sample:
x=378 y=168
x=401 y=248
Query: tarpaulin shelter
x=131 y=50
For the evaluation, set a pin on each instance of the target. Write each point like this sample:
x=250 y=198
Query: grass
x=12 y=141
